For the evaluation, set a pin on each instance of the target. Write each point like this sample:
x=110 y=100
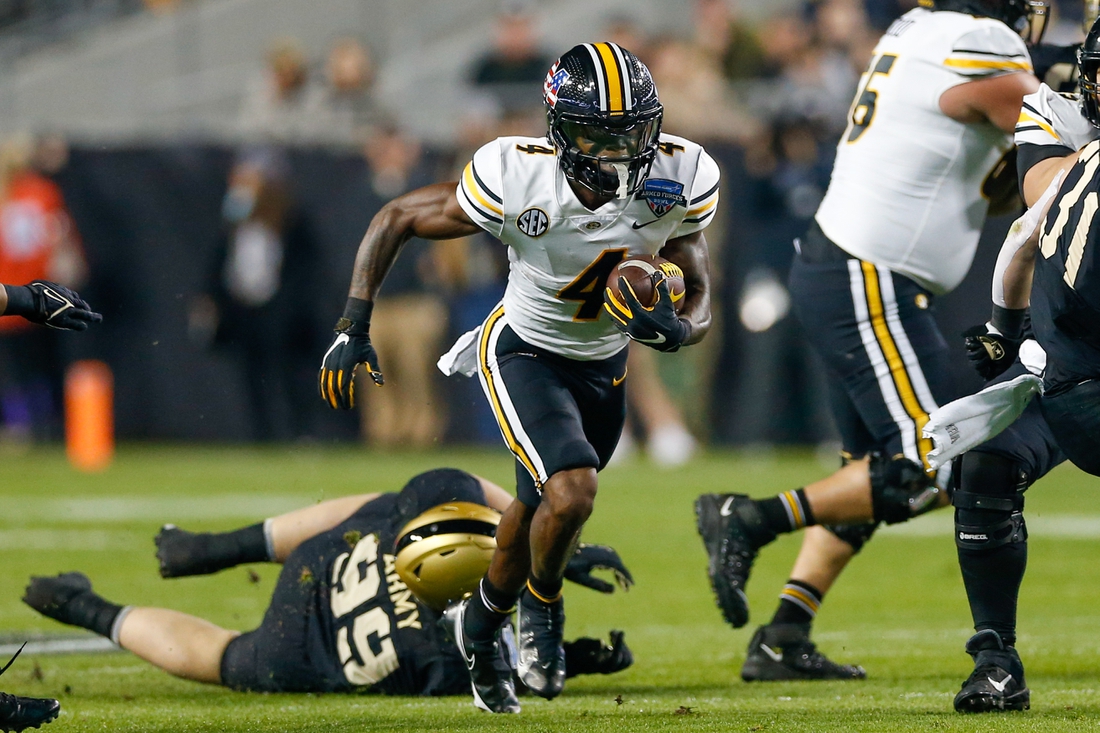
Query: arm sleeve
x=1018 y=235
x=989 y=50
x=480 y=191
x=703 y=200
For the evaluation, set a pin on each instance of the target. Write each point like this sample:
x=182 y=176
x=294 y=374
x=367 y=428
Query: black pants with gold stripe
x=886 y=358
x=554 y=413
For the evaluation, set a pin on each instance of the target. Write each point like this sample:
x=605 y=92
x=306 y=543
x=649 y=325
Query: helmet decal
x=554 y=79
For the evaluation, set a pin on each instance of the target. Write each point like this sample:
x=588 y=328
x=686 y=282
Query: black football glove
x=592 y=656
x=989 y=351
x=597 y=557
x=658 y=327
x=350 y=348
x=50 y=304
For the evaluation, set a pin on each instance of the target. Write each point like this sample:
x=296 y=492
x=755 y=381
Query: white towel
x=970 y=421
x=462 y=358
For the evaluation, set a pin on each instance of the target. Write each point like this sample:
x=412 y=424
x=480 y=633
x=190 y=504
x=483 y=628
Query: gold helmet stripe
x=628 y=97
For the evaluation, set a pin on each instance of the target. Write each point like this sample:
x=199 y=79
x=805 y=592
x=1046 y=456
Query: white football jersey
x=561 y=253
x=1050 y=118
x=906 y=187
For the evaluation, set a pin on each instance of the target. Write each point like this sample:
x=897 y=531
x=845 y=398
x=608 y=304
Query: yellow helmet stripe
x=614 y=77
x=628 y=97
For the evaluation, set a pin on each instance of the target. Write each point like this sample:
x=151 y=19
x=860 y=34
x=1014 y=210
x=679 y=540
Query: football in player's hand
x=639 y=272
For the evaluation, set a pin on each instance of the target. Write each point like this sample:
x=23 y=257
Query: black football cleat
x=52 y=596
x=733 y=530
x=489 y=662
x=541 y=629
x=997 y=682
x=785 y=652
x=19 y=713
x=181 y=553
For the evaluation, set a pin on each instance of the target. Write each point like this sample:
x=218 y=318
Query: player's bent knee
x=989 y=502
x=571 y=494
x=900 y=489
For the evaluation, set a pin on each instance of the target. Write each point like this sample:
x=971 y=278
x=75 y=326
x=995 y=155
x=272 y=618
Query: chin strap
x=623 y=171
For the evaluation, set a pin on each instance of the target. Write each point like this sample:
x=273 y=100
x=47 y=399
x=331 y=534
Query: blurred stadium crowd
x=220 y=266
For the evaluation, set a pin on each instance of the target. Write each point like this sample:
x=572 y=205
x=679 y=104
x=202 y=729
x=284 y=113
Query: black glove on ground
x=597 y=557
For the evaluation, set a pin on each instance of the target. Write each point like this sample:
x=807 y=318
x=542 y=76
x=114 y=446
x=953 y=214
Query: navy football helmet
x=1088 y=65
x=604 y=118
x=1019 y=15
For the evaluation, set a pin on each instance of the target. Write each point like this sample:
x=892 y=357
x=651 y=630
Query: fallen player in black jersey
x=341 y=618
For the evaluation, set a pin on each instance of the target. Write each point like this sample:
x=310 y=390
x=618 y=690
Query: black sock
x=992 y=579
x=240 y=546
x=487 y=610
x=787 y=512
x=199 y=553
x=798 y=603
x=545 y=591
x=90 y=611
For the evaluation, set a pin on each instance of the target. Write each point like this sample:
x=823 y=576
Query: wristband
x=356 y=316
x=1009 y=321
x=20 y=301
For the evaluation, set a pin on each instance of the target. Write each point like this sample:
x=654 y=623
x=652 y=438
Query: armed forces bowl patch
x=533 y=222
x=661 y=195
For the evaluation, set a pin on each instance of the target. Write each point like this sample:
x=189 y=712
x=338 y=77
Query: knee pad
x=855 y=535
x=900 y=489
x=989 y=502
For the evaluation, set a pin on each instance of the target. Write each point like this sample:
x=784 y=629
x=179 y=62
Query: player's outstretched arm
x=48 y=304
x=693 y=257
x=431 y=212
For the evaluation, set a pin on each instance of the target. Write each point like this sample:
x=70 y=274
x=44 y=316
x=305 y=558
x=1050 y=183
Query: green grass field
x=900 y=610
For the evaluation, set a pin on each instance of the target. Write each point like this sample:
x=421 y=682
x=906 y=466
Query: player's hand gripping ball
x=643 y=297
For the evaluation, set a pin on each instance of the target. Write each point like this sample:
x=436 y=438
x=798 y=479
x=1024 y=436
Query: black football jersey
x=1065 y=295
x=357 y=625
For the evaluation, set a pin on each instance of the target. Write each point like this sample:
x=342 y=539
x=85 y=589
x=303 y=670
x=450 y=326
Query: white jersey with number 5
x=561 y=253
x=906 y=189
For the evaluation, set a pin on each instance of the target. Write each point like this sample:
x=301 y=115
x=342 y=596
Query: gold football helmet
x=443 y=553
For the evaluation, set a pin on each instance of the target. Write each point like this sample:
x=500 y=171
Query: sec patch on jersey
x=533 y=222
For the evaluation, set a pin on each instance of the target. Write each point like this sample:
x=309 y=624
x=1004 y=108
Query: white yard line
x=176 y=509
x=69 y=645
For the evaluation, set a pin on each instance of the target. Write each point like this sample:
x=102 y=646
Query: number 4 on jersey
x=588 y=286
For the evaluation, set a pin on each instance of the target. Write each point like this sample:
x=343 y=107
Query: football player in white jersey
x=604 y=184
x=898 y=226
